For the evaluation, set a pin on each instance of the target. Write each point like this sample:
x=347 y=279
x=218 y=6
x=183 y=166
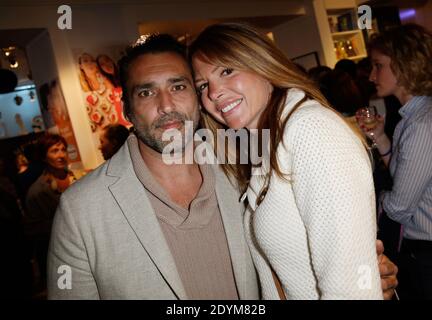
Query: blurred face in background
x=382 y=75
x=21 y=163
x=56 y=156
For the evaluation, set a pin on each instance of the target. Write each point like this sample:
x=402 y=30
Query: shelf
x=345 y=33
x=361 y=56
x=337 y=15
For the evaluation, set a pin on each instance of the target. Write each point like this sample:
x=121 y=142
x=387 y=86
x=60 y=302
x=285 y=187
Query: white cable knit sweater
x=317 y=231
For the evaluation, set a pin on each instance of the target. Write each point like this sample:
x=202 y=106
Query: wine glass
x=369 y=116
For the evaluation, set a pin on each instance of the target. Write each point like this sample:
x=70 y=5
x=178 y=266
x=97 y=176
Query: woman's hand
x=375 y=132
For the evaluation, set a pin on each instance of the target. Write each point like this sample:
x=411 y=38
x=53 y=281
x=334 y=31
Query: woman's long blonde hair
x=241 y=47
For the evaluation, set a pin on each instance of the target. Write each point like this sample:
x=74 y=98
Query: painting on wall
x=56 y=117
x=98 y=75
x=308 y=60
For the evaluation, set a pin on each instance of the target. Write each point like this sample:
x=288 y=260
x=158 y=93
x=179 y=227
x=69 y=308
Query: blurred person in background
x=343 y=93
x=15 y=268
x=34 y=169
x=401 y=61
x=111 y=139
x=44 y=195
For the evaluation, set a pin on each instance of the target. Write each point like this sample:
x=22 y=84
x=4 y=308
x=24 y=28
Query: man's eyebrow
x=179 y=79
x=150 y=85
x=141 y=86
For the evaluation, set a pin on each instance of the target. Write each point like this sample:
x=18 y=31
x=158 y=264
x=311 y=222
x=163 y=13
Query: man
x=111 y=139
x=137 y=228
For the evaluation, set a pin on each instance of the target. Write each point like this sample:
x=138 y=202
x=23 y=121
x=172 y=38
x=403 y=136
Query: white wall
x=40 y=50
x=300 y=35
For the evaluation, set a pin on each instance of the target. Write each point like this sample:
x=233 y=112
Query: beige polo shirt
x=196 y=237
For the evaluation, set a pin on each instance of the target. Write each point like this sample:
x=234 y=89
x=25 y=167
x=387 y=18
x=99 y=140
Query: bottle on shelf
x=345 y=22
x=349 y=48
x=340 y=50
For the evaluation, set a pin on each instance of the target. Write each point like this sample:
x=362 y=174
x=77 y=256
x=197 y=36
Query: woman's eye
x=145 y=93
x=226 y=72
x=202 y=87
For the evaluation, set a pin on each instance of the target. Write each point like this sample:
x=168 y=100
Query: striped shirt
x=410 y=200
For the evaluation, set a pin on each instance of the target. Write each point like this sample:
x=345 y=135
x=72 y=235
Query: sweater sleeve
x=333 y=187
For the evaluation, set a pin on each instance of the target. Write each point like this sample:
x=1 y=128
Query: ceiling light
x=13 y=63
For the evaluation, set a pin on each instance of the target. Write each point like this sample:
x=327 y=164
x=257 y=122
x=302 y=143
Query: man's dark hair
x=342 y=92
x=156 y=43
x=348 y=66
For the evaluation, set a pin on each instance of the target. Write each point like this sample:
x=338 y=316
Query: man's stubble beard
x=148 y=134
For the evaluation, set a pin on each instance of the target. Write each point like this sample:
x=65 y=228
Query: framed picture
x=308 y=60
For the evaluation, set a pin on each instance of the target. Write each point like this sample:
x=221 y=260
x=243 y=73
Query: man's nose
x=166 y=103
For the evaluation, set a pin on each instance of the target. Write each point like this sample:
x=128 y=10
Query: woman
x=311 y=217
x=401 y=60
x=44 y=195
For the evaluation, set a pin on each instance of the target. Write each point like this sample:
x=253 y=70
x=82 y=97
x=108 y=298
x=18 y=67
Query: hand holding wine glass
x=371 y=123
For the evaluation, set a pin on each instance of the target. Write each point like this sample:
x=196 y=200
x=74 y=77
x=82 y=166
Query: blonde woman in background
x=401 y=66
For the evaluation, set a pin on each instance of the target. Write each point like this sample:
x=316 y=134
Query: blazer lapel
x=232 y=217
x=136 y=207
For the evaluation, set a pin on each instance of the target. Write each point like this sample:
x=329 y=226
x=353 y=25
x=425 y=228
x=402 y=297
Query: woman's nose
x=215 y=91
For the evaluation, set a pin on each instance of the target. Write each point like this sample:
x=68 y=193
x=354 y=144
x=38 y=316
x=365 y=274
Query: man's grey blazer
x=107 y=243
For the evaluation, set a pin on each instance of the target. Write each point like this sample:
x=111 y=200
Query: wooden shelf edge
x=358 y=57
x=345 y=33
